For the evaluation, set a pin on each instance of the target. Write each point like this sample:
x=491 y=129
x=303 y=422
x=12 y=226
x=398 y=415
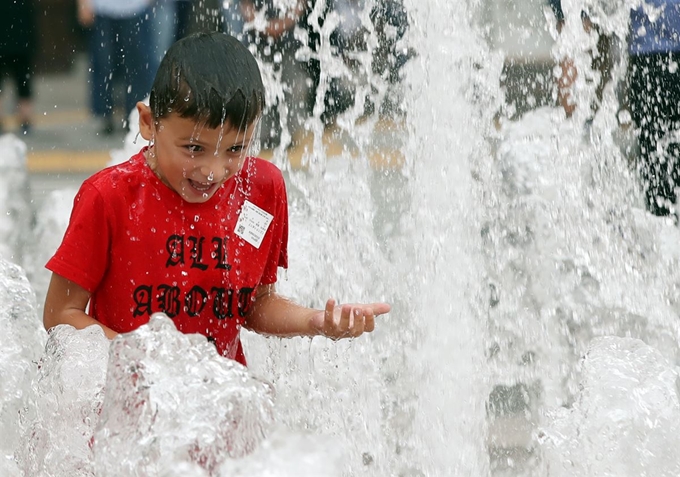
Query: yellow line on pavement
x=67 y=161
x=61 y=117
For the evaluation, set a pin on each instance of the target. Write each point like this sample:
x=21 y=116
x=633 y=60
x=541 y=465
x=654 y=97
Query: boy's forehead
x=193 y=128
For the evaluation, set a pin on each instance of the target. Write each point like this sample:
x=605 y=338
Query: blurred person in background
x=171 y=21
x=17 y=48
x=351 y=40
x=233 y=19
x=603 y=59
x=653 y=94
x=120 y=40
x=390 y=20
x=269 y=28
x=654 y=100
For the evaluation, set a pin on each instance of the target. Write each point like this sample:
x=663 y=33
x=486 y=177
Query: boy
x=190 y=226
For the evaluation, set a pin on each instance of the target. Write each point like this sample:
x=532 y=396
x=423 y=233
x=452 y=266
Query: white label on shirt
x=252 y=224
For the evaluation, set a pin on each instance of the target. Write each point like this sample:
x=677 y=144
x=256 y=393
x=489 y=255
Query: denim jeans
x=120 y=47
x=654 y=94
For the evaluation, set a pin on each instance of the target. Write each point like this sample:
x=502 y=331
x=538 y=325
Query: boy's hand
x=565 y=84
x=347 y=321
x=85 y=13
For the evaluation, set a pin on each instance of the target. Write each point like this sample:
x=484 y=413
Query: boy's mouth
x=201 y=186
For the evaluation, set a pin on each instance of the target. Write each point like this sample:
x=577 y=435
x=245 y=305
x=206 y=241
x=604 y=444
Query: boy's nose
x=209 y=173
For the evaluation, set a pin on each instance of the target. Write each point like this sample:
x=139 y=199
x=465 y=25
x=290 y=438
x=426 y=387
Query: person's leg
x=102 y=58
x=669 y=108
x=4 y=70
x=162 y=31
x=296 y=83
x=233 y=20
x=649 y=114
x=23 y=77
x=184 y=11
x=270 y=124
x=135 y=33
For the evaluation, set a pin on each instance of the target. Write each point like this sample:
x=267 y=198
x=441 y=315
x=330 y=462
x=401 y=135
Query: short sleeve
x=278 y=252
x=83 y=254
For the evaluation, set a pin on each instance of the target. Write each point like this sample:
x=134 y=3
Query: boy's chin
x=196 y=200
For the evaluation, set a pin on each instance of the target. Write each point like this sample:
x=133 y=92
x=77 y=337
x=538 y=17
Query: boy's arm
x=65 y=304
x=274 y=314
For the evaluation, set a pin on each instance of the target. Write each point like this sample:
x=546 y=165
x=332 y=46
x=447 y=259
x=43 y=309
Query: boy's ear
x=146 y=128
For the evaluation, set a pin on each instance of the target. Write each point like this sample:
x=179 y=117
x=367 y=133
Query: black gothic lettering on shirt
x=244 y=301
x=177 y=244
x=222 y=302
x=168 y=300
x=175 y=247
x=197 y=252
x=195 y=300
x=142 y=298
x=220 y=253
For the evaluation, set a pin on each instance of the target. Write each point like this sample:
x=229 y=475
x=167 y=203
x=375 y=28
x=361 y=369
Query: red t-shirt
x=139 y=248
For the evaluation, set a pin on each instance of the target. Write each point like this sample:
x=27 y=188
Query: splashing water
x=175 y=388
x=634 y=434
x=64 y=404
x=21 y=344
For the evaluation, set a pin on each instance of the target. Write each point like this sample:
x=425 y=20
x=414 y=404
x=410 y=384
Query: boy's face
x=190 y=158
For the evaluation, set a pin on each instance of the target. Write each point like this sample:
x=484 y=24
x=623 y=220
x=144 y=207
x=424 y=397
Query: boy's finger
x=344 y=318
x=380 y=308
x=369 y=324
x=358 y=326
x=328 y=317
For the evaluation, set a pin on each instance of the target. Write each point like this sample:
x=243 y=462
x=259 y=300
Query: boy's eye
x=193 y=148
x=236 y=149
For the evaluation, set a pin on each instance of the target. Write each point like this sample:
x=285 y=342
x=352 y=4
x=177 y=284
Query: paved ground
x=65 y=139
x=64 y=146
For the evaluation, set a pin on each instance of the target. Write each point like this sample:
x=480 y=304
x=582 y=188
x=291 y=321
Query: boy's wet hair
x=209 y=77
